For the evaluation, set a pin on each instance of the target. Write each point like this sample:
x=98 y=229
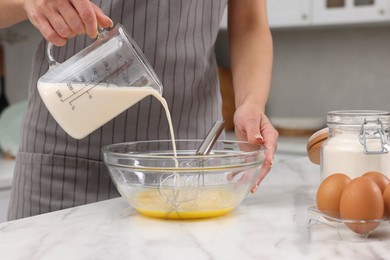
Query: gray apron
x=54 y=171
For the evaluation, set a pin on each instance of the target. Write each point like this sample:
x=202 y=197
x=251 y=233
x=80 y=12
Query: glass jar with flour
x=358 y=142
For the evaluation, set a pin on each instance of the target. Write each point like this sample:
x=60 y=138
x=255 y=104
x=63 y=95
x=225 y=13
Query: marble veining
x=271 y=224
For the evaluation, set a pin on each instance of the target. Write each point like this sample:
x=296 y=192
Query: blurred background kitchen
x=328 y=55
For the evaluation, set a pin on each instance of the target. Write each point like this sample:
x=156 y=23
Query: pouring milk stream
x=98 y=83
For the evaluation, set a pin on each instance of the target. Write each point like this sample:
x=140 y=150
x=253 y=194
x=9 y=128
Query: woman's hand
x=251 y=55
x=58 y=20
x=253 y=126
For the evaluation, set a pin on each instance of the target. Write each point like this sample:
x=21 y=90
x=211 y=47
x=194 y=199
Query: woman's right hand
x=58 y=20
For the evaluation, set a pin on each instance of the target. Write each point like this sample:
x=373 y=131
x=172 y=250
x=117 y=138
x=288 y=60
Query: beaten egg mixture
x=185 y=204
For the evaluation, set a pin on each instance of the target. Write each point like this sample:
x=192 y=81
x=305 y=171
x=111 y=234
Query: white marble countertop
x=271 y=224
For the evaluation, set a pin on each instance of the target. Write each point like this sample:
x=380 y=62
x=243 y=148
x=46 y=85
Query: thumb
x=253 y=131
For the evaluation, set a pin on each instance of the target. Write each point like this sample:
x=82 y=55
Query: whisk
x=211 y=138
x=186 y=188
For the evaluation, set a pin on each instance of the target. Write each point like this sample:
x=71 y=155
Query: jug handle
x=49 y=48
x=49 y=54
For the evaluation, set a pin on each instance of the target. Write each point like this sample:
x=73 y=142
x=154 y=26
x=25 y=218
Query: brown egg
x=386 y=198
x=380 y=179
x=329 y=193
x=361 y=199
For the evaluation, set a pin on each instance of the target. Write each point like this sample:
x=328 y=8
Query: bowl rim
x=105 y=149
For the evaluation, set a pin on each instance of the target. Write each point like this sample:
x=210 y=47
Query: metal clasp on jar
x=373 y=137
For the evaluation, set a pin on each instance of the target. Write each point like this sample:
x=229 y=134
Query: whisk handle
x=211 y=138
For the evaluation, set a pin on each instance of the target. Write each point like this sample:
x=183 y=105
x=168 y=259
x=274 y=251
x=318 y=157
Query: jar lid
x=314 y=144
x=357 y=117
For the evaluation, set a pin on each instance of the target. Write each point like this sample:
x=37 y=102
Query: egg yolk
x=184 y=214
x=185 y=204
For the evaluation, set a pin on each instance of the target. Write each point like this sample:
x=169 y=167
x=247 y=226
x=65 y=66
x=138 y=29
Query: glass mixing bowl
x=158 y=184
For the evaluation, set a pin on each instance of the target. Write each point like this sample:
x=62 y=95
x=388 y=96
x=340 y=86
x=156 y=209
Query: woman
x=54 y=171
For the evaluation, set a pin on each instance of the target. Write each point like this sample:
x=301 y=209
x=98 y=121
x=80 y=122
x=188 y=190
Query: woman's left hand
x=253 y=126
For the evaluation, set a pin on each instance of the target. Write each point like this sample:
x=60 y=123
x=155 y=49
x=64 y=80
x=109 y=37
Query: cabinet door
x=350 y=11
x=284 y=13
x=289 y=13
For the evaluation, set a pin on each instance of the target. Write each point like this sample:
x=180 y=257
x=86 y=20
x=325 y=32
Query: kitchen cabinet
x=308 y=13
x=331 y=12
x=289 y=13
x=284 y=13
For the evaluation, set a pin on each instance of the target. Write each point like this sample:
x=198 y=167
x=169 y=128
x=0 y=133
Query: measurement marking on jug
x=70 y=87
x=107 y=79
x=106 y=66
x=85 y=92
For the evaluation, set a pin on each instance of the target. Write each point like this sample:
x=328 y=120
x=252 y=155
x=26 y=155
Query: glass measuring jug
x=98 y=83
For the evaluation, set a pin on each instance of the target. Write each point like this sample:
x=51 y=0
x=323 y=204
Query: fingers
x=72 y=18
x=48 y=32
x=60 y=26
x=270 y=142
x=36 y=12
x=87 y=15
x=262 y=132
x=247 y=129
x=253 y=131
x=103 y=20
x=264 y=170
x=58 y=20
